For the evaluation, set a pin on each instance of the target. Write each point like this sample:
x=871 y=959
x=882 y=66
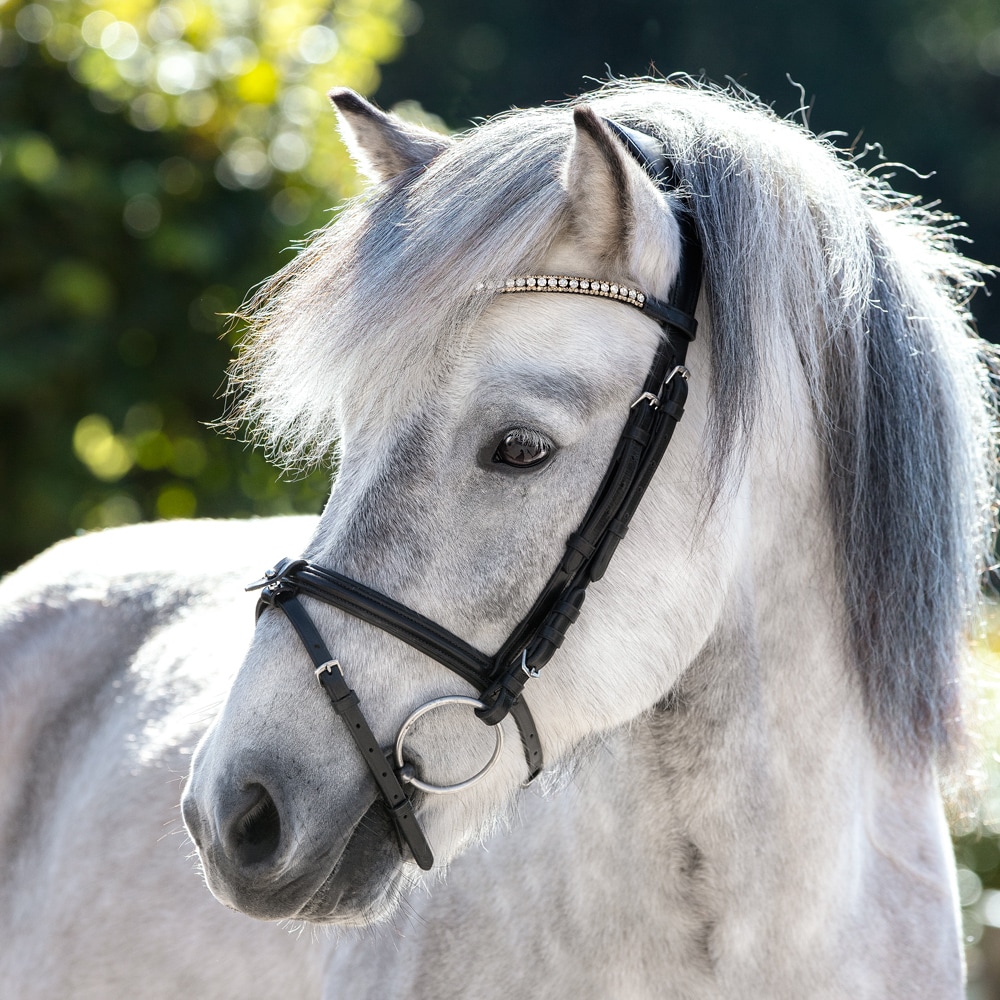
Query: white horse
x=742 y=733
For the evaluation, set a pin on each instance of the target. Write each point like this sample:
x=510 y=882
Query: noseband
x=501 y=678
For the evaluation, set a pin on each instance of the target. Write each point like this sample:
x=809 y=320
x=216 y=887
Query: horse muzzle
x=261 y=856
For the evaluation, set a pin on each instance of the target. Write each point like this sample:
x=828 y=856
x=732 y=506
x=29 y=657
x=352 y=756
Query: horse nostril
x=255 y=834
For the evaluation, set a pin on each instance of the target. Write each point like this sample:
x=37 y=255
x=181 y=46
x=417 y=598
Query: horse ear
x=608 y=190
x=383 y=145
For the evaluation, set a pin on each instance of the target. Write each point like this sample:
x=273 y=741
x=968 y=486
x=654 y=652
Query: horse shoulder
x=115 y=649
x=75 y=616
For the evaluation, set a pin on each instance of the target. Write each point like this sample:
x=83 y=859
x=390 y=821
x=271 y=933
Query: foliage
x=155 y=160
x=245 y=76
x=976 y=828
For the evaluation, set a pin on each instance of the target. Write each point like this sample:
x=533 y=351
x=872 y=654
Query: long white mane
x=799 y=241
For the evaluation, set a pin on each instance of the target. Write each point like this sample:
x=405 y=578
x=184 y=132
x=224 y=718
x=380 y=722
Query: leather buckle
x=681 y=370
x=327 y=668
x=654 y=401
x=530 y=671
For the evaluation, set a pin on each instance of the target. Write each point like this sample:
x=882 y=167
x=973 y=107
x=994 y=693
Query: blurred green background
x=158 y=158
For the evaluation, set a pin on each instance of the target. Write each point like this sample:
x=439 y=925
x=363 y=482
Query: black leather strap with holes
x=345 y=704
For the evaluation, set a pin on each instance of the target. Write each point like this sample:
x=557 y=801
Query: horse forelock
x=379 y=303
x=798 y=242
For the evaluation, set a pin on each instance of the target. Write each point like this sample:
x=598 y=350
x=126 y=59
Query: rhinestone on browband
x=567 y=283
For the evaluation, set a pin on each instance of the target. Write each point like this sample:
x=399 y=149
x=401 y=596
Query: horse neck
x=757 y=790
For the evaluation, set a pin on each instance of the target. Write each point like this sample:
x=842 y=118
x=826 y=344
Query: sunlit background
x=158 y=159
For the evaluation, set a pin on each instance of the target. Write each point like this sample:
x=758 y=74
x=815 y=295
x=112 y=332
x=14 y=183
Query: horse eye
x=523 y=449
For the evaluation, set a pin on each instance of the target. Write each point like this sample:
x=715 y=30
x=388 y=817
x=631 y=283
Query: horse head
x=462 y=471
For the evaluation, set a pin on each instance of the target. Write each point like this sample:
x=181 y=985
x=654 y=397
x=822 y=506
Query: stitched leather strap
x=647 y=433
x=389 y=615
x=345 y=704
x=300 y=576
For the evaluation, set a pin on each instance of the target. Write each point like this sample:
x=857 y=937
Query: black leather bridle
x=501 y=678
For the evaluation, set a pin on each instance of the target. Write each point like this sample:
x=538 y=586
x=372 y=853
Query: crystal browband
x=663 y=312
x=567 y=283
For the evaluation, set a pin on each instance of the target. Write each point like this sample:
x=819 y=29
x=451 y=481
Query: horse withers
x=717 y=776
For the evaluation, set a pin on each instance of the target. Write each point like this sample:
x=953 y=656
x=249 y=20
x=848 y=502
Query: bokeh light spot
x=35 y=158
x=96 y=445
x=291 y=206
x=80 y=288
x=245 y=164
x=232 y=56
x=196 y=108
x=142 y=418
x=33 y=22
x=149 y=112
x=259 y=85
x=189 y=457
x=179 y=176
x=117 y=510
x=165 y=23
x=180 y=69
x=318 y=44
x=142 y=215
x=93 y=27
x=300 y=105
x=119 y=40
x=176 y=501
x=64 y=42
x=288 y=152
